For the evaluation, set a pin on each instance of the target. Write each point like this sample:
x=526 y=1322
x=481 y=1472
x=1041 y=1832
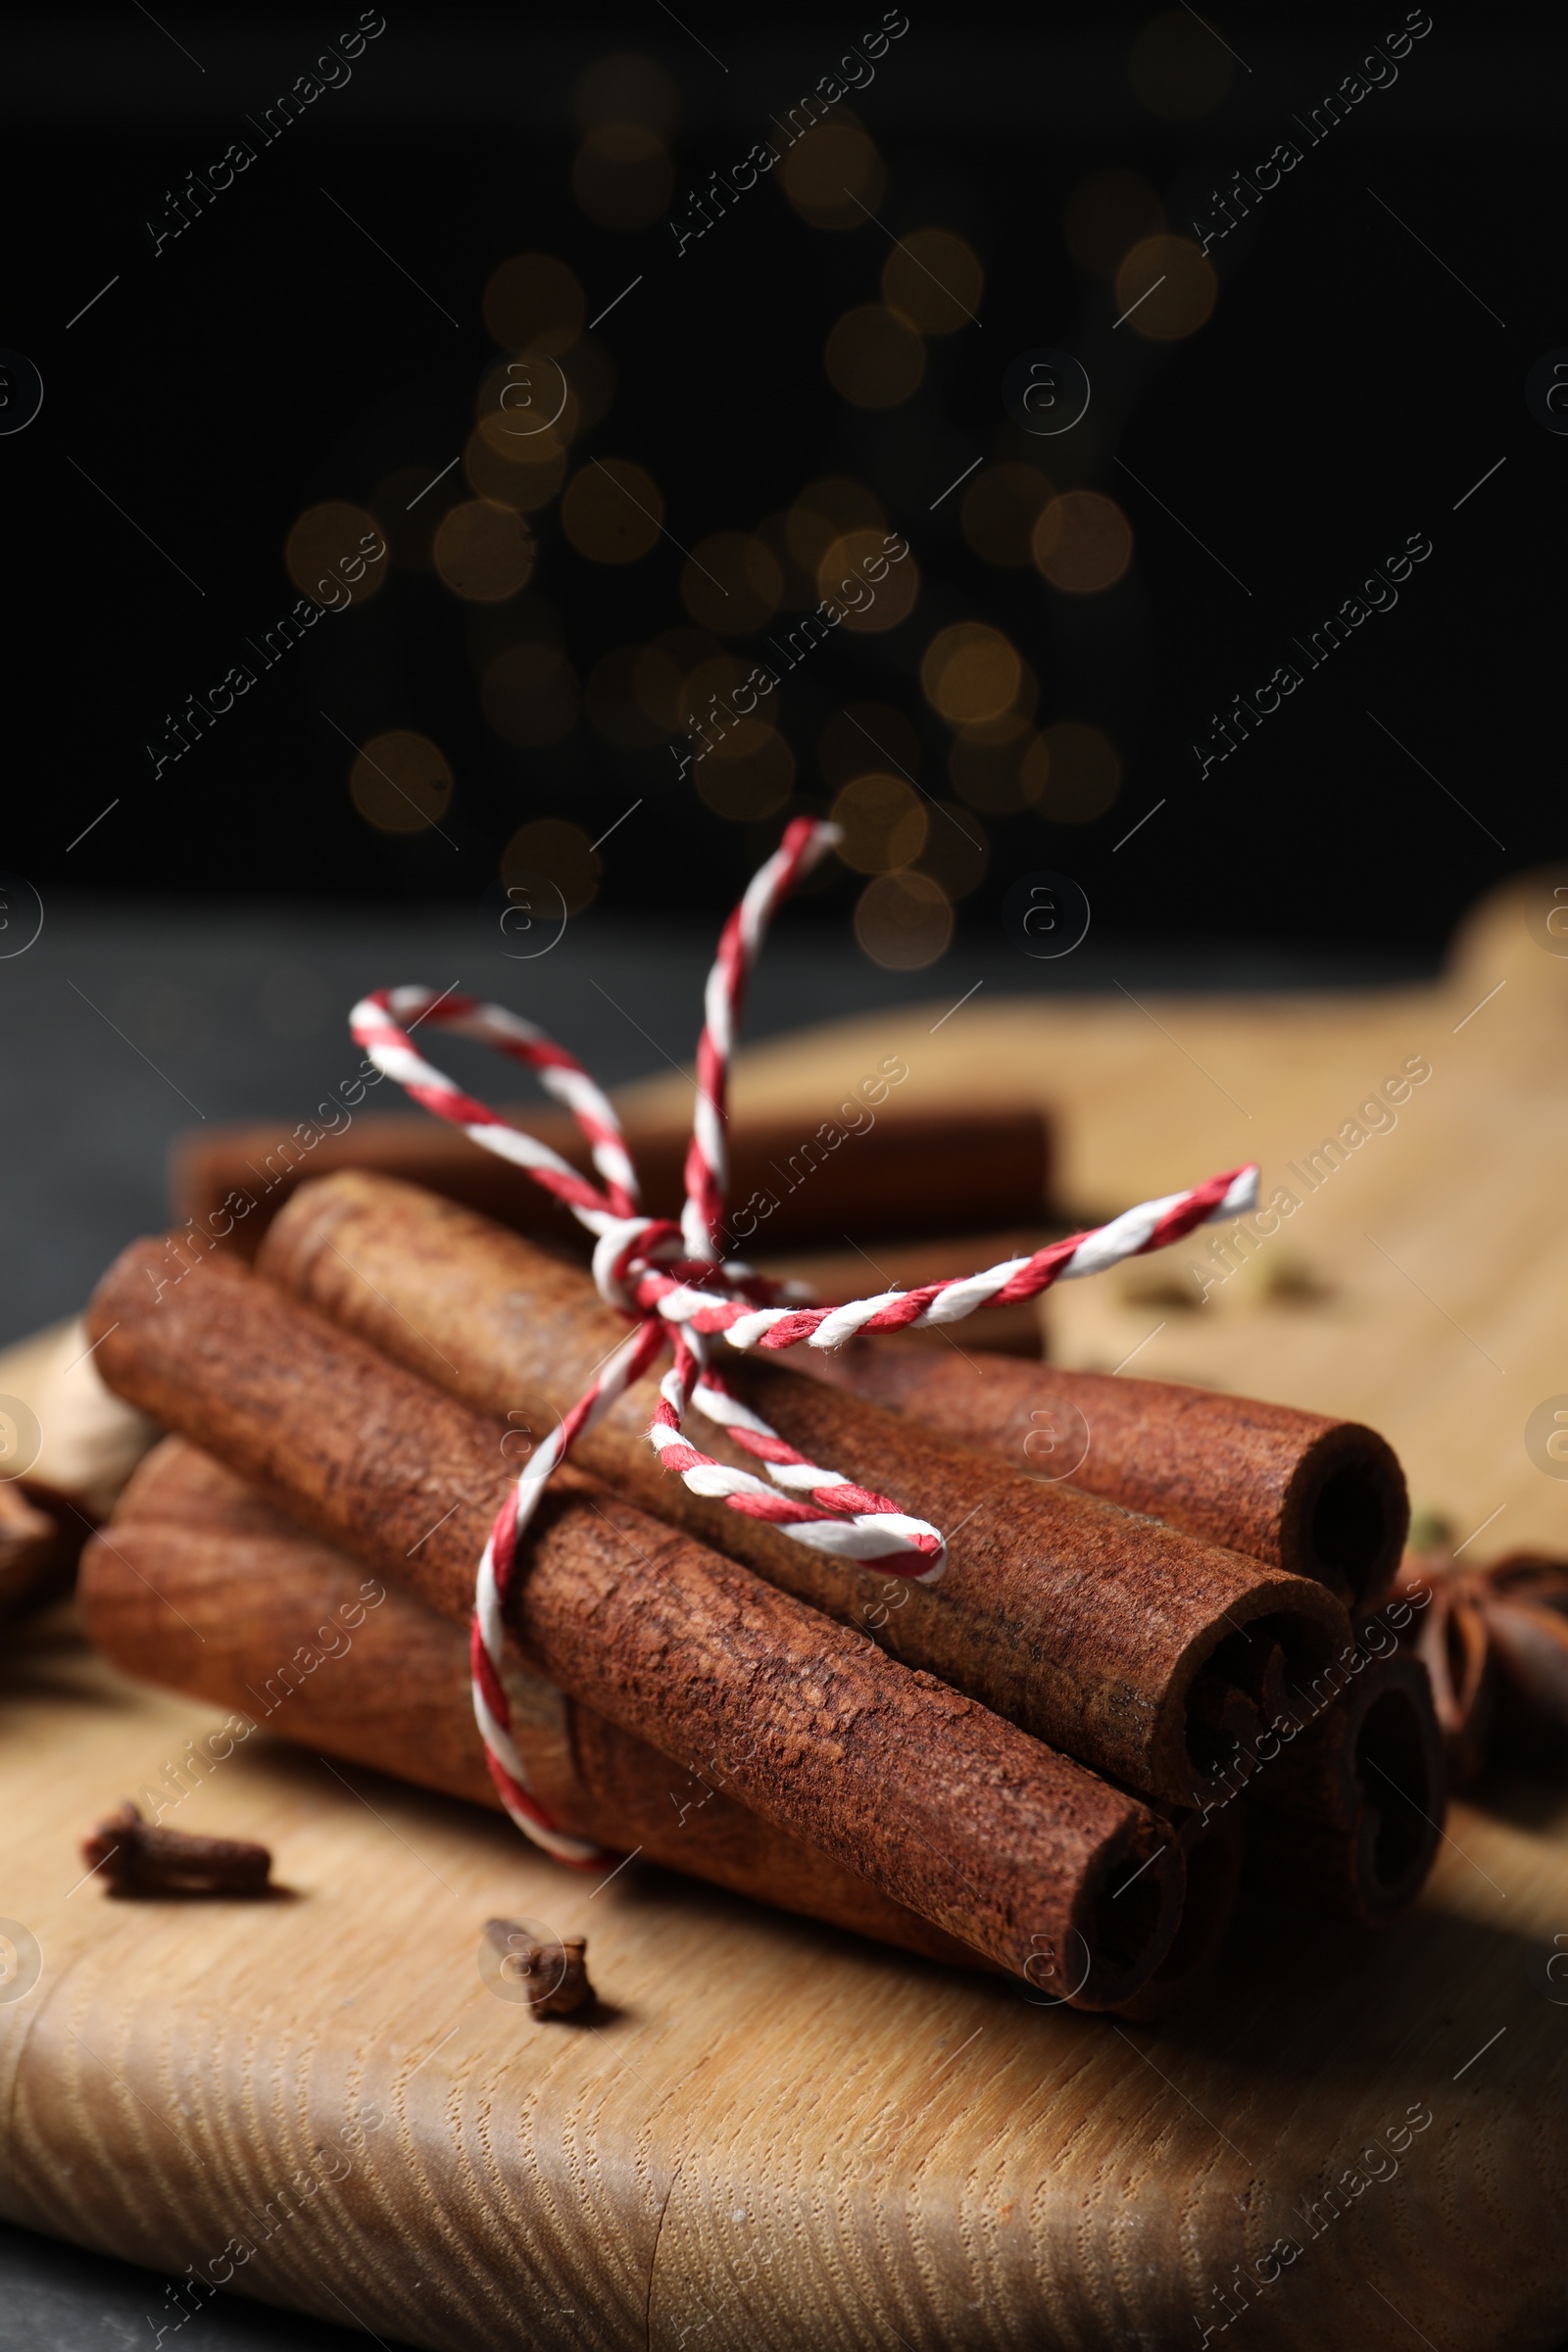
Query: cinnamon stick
x=202 y=1587
x=943 y=1805
x=69 y=1449
x=1213 y=1848
x=1347 y=1817
x=1316 y=1496
x=1115 y=1640
x=30 y=1541
x=792 y=1181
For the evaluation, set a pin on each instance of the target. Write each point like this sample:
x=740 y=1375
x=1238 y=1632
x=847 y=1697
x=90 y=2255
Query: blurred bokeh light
x=904 y=921
x=935 y=278
x=327 y=555
x=834 y=175
x=560 y=851
x=611 y=512
x=483 y=551
x=1083 y=542
x=400 y=782
x=1166 y=288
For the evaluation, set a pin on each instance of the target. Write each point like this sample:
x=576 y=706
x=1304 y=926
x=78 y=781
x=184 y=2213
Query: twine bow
x=678 y=1291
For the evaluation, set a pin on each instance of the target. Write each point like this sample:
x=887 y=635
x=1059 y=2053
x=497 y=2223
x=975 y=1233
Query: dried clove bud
x=552 y=1977
x=138 y=1858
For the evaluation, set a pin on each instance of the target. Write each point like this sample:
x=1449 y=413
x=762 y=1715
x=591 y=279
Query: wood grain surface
x=767 y=2134
x=770 y=2135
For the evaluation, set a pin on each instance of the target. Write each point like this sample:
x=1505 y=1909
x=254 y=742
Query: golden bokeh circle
x=904 y=921
x=935 y=280
x=561 y=853
x=528 y=405
x=483 y=551
x=1179 y=68
x=731 y=584
x=970 y=673
x=847 y=578
x=1083 y=542
x=611 y=512
x=1014 y=719
x=1107 y=213
x=1073 y=772
x=534 y=302
x=883 y=821
x=834 y=177
x=327 y=555
x=622 y=176
x=513 y=474
x=400 y=782
x=873 y=357
x=530 y=694
x=1177 y=307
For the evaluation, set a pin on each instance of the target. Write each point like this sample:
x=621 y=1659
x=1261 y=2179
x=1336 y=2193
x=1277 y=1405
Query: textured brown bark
x=989 y=1169
x=940 y=1803
x=1093 y=1629
x=202 y=1587
x=1318 y=1497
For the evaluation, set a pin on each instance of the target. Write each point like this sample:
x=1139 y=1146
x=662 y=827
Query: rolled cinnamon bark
x=1347 y=1817
x=941 y=1804
x=792 y=1181
x=1213 y=1849
x=1318 y=1497
x=29 y=1544
x=202 y=1587
x=1125 y=1644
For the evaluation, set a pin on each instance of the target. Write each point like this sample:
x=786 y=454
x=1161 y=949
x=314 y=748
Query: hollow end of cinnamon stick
x=1362 y=1828
x=1212 y=1849
x=1127 y=1916
x=1345 y=1513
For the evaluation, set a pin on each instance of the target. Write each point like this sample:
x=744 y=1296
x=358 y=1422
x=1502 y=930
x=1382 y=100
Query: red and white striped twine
x=671 y=1283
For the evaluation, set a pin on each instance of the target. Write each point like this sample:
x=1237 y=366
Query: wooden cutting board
x=772 y=2136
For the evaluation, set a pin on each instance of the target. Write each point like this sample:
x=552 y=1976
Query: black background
x=1346 y=392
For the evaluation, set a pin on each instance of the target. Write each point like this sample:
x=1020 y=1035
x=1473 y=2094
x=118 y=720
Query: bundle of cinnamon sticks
x=1128 y=1687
